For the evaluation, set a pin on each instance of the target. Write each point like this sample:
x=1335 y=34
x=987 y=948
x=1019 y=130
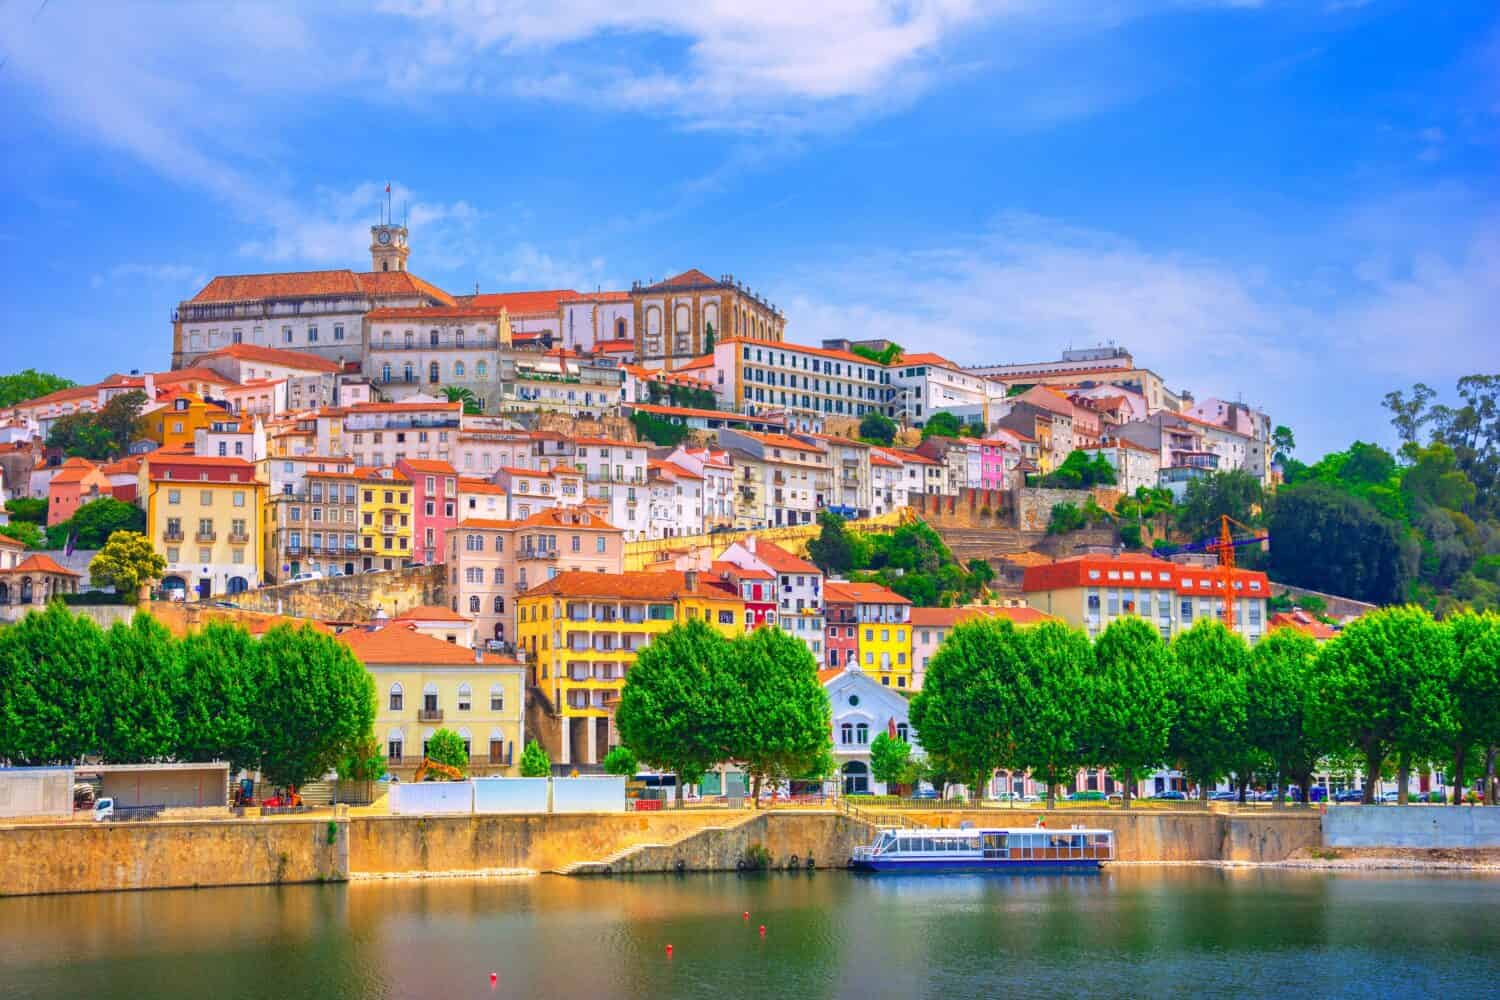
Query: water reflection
x=1126 y=931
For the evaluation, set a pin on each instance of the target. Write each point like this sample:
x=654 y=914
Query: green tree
x=94 y=522
x=1475 y=686
x=1277 y=692
x=127 y=562
x=33 y=509
x=1066 y=517
x=461 y=394
x=1207 y=737
x=1283 y=443
x=942 y=424
x=26 y=533
x=708 y=338
x=30 y=384
x=877 y=428
x=139 y=682
x=971 y=703
x=1382 y=687
x=1054 y=704
x=621 y=761
x=315 y=702
x=777 y=711
x=81 y=435
x=222 y=668
x=1409 y=414
x=49 y=691
x=534 y=761
x=364 y=761
x=834 y=549
x=1236 y=493
x=1130 y=698
x=890 y=760
x=447 y=747
x=120 y=418
x=672 y=710
x=1323 y=539
x=665 y=433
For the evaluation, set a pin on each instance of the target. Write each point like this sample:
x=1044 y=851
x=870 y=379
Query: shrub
x=534 y=761
x=757 y=857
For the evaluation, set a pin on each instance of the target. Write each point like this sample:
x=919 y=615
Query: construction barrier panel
x=431 y=797
x=596 y=793
x=510 y=795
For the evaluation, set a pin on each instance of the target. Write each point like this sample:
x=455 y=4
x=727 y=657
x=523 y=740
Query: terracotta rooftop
x=1304 y=623
x=519 y=303
x=692 y=278
x=845 y=592
x=429 y=465
x=402 y=644
x=662 y=585
x=429 y=613
x=316 y=284
x=782 y=561
x=39 y=562
x=273 y=356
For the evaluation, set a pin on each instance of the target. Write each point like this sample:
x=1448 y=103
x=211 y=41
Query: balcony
x=429 y=715
x=389 y=529
x=173 y=536
x=206 y=536
x=538 y=554
x=238 y=538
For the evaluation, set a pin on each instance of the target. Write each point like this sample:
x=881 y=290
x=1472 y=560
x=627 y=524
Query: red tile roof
x=844 y=592
x=12 y=542
x=72 y=471
x=948 y=617
x=692 y=278
x=1304 y=623
x=487 y=524
x=782 y=561
x=781 y=441
x=402 y=644
x=821 y=352
x=273 y=356
x=400 y=284
x=568 y=517
x=467 y=485
x=519 y=303
x=429 y=465
x=317 y=284
x=660 y=585
x=429 y=613
x=720 y=568
x=614 y=347
x=1146 y=572
x=38 y=562
x=824 y=676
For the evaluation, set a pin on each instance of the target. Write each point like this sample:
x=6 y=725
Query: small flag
x=68 y=545
x=890 y=727
x=387 y=189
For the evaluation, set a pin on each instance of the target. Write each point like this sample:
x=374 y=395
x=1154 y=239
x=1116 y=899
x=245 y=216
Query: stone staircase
x=607 y=865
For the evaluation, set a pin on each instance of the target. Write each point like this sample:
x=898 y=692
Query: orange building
x=72 y=486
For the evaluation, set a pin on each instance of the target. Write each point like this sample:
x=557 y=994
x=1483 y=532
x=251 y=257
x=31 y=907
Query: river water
x=1132 y=931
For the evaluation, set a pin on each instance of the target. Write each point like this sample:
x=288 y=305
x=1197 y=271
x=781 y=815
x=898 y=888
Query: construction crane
x=1223 y=546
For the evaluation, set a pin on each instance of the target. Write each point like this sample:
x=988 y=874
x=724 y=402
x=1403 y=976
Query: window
x=433 y=375
x=497 y=698
x=726 y=617
x=862 y=733
x=396 y=697
x=474 y=605
x=846 y=733
x=174 y=496
x=465 y=698
x=499 y=604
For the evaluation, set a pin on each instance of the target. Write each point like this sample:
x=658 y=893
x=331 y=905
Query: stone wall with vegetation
x=351 y=598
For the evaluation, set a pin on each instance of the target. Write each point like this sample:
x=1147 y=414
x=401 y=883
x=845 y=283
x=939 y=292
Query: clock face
x=384 y=236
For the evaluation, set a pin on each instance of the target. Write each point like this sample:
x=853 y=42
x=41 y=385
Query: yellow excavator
x=437 y=767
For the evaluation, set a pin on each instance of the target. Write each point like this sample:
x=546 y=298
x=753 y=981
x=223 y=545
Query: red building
x=756 y=587
x=434 y=506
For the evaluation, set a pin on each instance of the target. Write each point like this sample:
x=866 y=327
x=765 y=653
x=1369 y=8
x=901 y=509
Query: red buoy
x=493 y=977
x=669 y=951
x=747 y=914
x=762 y=930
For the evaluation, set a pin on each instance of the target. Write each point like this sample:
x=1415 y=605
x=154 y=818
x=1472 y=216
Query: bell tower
x=388 y=248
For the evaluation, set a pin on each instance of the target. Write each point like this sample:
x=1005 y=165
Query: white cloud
x=177 y=274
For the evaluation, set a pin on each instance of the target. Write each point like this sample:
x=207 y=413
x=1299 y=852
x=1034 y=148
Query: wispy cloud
x=176 y=274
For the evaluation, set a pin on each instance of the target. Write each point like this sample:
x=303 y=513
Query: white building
x=718 y=482
x=1135 y=465
x=799 y=588
x=243 y=437
x=589 y=319
x=862 y=709
x=676 y=501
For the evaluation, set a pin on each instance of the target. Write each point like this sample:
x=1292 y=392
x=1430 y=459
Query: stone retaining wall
x=1424 y=826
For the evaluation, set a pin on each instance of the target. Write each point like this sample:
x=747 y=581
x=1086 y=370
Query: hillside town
x=571 y=473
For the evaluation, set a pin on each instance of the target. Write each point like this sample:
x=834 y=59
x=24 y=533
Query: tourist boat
x=981 y=850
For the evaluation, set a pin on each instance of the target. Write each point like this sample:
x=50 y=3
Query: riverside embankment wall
x=100 y=857
x=1426 y=826
x=89 y=857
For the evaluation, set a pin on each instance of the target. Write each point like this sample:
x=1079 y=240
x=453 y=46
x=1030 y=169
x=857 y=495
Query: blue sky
x=1293 y=203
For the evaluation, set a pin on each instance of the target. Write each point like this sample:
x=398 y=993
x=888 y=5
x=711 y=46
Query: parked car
x=1224 y=797
x=1172 y=795
x=1391 y=797
x=1350 y=795
x=1088 y=796
x=924 y=793
x=306 y=575
x=104 y=808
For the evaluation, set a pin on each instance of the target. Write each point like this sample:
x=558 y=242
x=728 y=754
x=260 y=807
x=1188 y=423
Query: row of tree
x=695 y=699
x=294 y=703
x=89 y=527
x=1395 y=684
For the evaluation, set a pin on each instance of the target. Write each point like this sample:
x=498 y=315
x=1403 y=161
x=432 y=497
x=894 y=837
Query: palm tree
x=457 y=394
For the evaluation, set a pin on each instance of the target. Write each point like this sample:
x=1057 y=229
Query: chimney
x=150 y=387
x=750 y=544
x=478 y=655
x=690 y=581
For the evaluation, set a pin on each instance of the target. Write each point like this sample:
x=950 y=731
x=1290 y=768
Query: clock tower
x=388 y=248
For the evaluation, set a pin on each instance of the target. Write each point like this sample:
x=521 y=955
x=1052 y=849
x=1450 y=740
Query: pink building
x=72 y=486
x=434 y=506
x=992 y=454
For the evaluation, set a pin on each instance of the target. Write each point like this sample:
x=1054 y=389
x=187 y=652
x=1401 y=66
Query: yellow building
x=581 y=632
x=423 y=684
x=206 y=515
x=385 y=516
x=181 y=416
x=871 y=625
